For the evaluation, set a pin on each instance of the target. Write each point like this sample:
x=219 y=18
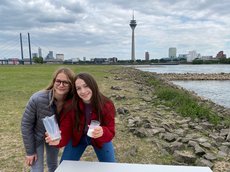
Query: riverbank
x=159 y=135
x=147 y=130
x=195 y=76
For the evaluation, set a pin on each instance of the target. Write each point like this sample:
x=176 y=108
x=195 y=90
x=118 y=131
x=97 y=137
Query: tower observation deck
x=133 y=24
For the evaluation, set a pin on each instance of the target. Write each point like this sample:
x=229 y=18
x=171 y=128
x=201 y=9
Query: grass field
x=18 y=83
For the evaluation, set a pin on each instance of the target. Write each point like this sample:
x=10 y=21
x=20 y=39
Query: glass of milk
x=93 y=124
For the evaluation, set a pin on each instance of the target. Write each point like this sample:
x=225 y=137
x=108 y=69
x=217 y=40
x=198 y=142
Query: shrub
x=184 y=103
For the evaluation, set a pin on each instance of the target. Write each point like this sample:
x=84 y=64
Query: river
x=217 y=91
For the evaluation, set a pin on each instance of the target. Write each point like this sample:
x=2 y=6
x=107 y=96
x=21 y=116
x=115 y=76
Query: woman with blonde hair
x=47 y=102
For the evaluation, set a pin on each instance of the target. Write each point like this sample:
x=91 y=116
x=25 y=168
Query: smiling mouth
x=85 y=96
x=62 y=89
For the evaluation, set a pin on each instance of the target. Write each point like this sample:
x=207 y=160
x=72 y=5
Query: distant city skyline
x=100 y=29
x=172 y=54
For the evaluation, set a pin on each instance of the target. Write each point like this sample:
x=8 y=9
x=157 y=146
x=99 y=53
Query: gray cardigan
x=32 y=128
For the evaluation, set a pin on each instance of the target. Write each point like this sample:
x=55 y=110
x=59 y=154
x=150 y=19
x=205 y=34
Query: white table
x=85 y=166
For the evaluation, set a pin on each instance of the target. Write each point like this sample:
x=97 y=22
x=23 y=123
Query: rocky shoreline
x=195 y=76
x=188 y=141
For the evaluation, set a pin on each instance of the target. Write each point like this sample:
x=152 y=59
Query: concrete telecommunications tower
x=133 y=24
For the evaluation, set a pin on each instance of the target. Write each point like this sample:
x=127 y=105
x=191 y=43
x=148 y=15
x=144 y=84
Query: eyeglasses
x=64 y=83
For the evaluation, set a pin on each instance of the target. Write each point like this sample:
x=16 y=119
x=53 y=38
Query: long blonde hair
x=70 y=76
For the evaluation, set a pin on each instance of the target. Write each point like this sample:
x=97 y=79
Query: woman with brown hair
x=90 y=105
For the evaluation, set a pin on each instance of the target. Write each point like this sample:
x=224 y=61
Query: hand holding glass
x=51 y=127
x=93 y=124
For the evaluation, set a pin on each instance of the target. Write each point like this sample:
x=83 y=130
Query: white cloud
x=91 y=28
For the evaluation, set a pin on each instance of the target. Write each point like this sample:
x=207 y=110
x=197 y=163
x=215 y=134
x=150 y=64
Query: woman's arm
x=66 y=130
x=27 y=126
x=107 y=128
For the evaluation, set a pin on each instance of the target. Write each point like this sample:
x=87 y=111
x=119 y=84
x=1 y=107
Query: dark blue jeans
x=104 y=154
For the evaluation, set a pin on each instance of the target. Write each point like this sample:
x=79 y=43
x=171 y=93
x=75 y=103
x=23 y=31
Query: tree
x=38 y=60
x=197 y=61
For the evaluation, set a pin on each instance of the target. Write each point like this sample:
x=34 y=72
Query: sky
x=100 y=28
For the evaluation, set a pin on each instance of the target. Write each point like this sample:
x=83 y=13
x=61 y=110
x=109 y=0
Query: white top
x=85 y=166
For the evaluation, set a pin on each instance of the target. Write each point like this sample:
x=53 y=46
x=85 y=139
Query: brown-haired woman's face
x=61 y=85
x=83 y=90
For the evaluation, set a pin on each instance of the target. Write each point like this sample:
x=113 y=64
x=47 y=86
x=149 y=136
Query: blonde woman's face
x=83 y=90
x=61 y=85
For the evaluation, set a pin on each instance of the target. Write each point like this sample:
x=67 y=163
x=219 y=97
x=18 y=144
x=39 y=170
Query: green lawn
x=18 y=83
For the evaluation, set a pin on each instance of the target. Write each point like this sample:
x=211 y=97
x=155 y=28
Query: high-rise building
x=172 y=53
x=221 y=54
x=60 y=57
x=133 y=24
x=39 y=52
x=192 y=55
x=34 y=54
x=50 y=55
x=147 y=56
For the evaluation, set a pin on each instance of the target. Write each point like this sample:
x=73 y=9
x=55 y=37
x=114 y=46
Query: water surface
x=185 y=68
x=217 y=91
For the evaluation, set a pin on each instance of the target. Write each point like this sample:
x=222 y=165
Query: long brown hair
x=70 y=76
x=97 y=100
